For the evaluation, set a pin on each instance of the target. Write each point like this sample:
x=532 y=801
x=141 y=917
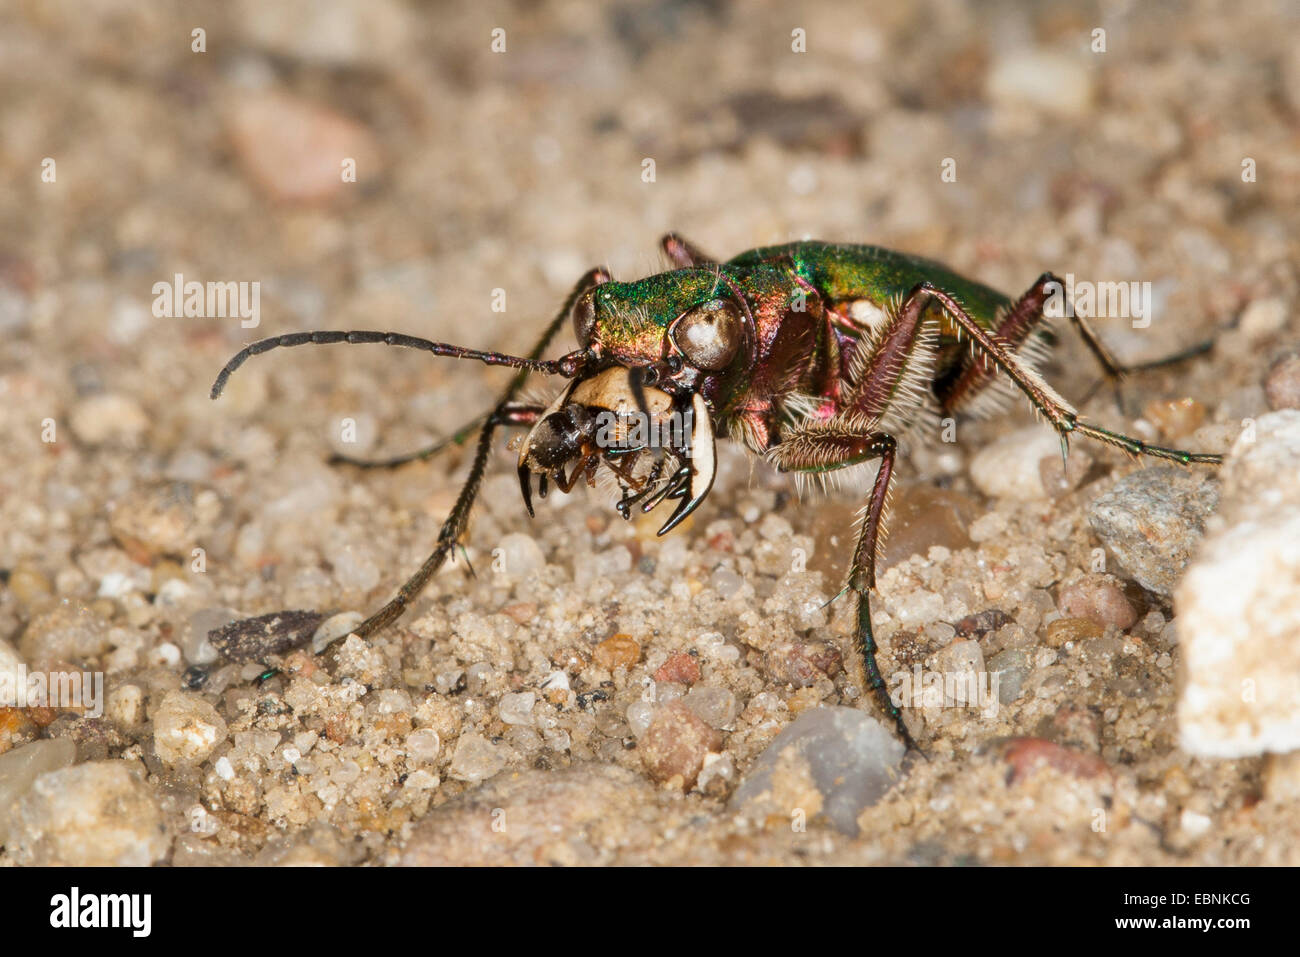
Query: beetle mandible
x=815 y=356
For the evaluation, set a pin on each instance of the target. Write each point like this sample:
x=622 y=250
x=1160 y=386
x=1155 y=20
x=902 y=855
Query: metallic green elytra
x=815 y=356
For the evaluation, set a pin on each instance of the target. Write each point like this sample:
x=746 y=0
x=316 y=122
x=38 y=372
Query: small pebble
x=517 y=708
x=518 y=556
x=68 y=632
x=98 y=814
x=1025 y=755
x=1065 y=630
x=108 y=417
x=1012 y=668
x=673 y=748
x=1152 y=520
x=963 y=661
x=1263 y=317
x=1176 y=417
x=615 y=651
x=168 y=518
x=715 y=706
x=639 y=715
x=1099 y=600
x=1043 y=79
x=293 y=149
x=423 y=746
x=1282 y=384
x=475 y=759
x=833 y=761
x=125 y=706
x=680 y=668
x=801 y=663
x=1008 y=467
x=186 y=728
x=20 y=767
x=333 y=628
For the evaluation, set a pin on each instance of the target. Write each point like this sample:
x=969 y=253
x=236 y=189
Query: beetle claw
x=702 y=465
x=526 y=487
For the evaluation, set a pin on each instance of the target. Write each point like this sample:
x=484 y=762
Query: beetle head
x=653 y=357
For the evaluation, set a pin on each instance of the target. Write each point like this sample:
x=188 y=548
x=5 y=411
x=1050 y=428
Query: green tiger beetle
x=815 y=356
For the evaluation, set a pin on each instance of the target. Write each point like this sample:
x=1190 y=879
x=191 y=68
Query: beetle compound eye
x=584 y=318
x=709 y=335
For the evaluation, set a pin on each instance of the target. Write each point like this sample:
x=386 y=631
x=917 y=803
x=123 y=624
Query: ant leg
x=832 y=446
x=683 y=254
x=1062 y=416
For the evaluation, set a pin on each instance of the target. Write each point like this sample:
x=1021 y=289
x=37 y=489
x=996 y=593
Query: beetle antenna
x=567 y=366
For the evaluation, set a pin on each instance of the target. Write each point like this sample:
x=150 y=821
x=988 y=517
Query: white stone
x=99 y=814
x=517 y=708
x=1008 y=467
x=186 y=728
x=1043 y=79
x=1238 y=606
x=20 y=767
x=125 y=706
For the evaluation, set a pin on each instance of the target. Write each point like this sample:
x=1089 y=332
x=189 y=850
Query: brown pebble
x=1100 y=600
x=13 y=721
x=1026 y=755
x=675 y=745
x=1176 y=417
x=801 y=663
x=30 y=587
x=680 y=667
x=166 y=518
x=1065 y=630
x=294 y=149
x=1282 y=385
x=617 y=650
x=521 y=613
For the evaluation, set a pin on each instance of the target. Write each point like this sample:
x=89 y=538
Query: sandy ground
x=502 y=720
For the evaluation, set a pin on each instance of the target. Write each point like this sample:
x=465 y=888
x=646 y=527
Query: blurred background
x=510 y=146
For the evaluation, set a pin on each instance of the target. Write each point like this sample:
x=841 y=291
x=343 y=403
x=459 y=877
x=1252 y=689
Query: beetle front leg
x=593 y=277
x=822 y=449
x=458 y=520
